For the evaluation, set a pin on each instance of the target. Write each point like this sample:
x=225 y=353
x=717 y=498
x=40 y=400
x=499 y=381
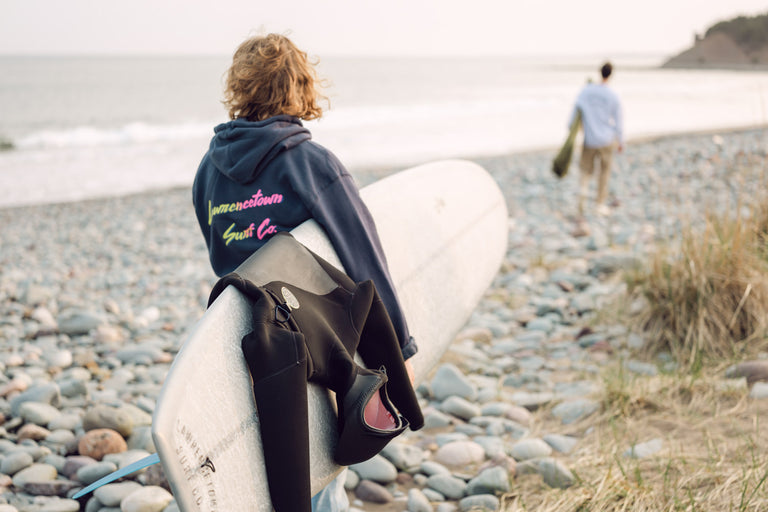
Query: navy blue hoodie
x=259 y=178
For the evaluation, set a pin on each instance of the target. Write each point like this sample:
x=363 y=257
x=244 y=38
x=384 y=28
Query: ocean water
x=80 y=127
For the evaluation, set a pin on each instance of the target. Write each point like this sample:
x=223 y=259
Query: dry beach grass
x=701 y=304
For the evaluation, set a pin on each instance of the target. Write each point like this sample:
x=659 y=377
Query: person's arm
x=339 y=209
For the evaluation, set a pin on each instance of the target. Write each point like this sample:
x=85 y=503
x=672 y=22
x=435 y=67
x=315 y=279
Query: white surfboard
x=443 y=227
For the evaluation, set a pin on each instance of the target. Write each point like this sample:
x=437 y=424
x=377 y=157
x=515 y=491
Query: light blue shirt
x=601 y=116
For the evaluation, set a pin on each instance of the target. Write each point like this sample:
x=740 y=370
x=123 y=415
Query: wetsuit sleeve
x=350 y=227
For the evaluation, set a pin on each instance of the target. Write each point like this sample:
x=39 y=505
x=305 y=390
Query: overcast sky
x=364 y=27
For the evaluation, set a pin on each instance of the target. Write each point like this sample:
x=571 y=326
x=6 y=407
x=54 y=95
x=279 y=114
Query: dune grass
x=703 y=303
x=712 y=455
x=706 y=301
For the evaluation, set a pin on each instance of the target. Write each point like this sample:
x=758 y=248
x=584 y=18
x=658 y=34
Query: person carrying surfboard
x=262 y=175
x=600 y=111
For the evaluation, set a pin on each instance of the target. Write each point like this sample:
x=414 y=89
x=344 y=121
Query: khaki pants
x=604 y=158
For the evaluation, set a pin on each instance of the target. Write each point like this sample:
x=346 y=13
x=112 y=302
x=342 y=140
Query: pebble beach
x=96 y=298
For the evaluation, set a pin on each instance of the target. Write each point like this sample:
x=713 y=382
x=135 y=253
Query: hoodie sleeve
x=340 y=210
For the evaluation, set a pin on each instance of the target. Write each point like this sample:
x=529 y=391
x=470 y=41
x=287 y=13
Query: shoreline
x=369 y=173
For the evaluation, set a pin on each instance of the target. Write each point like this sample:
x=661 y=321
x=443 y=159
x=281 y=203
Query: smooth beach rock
x=418 y=501
x=44 y=317
x=38 y=413
x=552 y=471
x=61 y=441
x=90 y=473
x=76 y=323
x=574 y=410
x=139 y=417
x=753 y=370
x=377 y=469
x=530 y=449
x=32 y=431
x=111 y=495
x=58 y=358
x=460 y=453
x=436 y=419
x=494 y=446
x=35 y=473
x=449 y=381
x=531 y=400
x=72 y=388
x=351 y=481
x=100 y=442
x=73 y=463
x=106 y=417
x=499 y=426
x=51 y=504
x=15 y=462
x=489 y=481
x=55 y=460
x=16 y=385
x=487 y=502
x=447 y=485
x=146 y=499
x=153 y=475
x=47 y=393
x=449 y=437
x=460 y=407
x=141 y=439
x=403 y=456
x=430 y=468
x=373 y=492
x=646 y=449
x=560 y=443
x=122 y=459
x=759 y=390
x=50 y=488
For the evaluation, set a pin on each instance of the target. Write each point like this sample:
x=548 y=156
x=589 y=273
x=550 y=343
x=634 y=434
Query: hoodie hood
x=241 y=149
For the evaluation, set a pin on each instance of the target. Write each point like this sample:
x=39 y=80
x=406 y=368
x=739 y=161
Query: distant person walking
x=603 y=132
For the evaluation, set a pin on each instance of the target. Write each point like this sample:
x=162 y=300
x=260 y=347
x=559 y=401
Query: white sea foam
x=92 y=136
x=97 y=139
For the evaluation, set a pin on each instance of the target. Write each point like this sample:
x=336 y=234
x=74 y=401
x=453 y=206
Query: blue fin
x=127 y=470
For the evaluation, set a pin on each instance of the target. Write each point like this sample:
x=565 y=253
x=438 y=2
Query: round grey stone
x=560 y=443
x=646 y=449
x=460 y=407
x=376 y=468
x=47 y=393
x=430 y=468
x=533 y=448
x=490 y=481
x=146 y=499
x=92 y=472
x=403 y=456
x=449 y=381
x=103 y=416
x=574 y=410
x=38 y=413
x=486 y=502
x=111 y=495
x=418 y=502
x=34 y=473
x=447 y=485
x=15 y=462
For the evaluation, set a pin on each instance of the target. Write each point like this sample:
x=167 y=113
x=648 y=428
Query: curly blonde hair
x=270 y=76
